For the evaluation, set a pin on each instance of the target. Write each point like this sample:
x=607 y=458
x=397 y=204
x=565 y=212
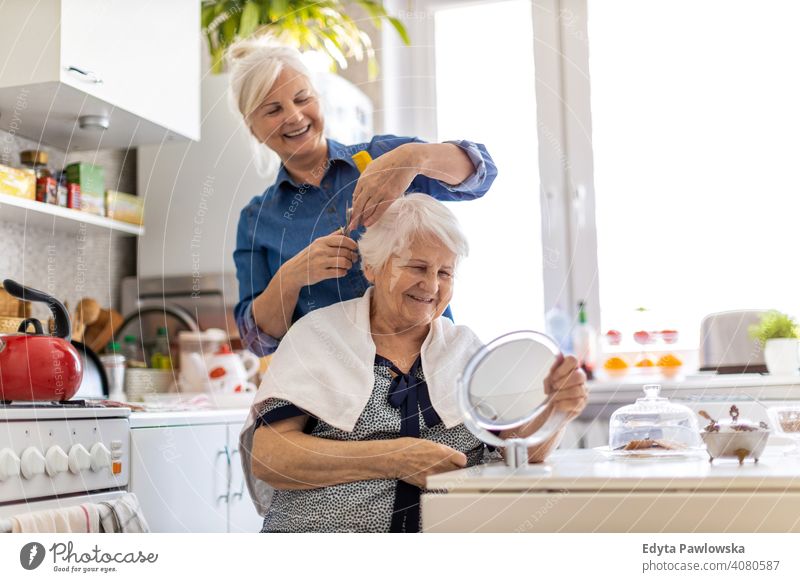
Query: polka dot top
x=399 y=406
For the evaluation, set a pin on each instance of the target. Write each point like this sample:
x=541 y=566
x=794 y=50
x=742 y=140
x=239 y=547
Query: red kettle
x=35 y=366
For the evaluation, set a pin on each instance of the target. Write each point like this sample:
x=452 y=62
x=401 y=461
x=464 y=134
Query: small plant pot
x=782 y=356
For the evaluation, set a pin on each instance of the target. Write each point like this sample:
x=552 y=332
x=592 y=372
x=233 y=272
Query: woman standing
x=293 y=254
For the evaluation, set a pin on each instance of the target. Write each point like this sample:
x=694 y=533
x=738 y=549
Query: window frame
x=561 y=57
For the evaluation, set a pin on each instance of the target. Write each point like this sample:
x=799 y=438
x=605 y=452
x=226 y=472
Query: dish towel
x=122 y=515
x=325 y=366
x=84 y=518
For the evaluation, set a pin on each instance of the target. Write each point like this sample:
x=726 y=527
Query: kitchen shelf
x=59 y=218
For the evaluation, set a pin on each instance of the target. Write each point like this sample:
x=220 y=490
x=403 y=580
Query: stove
x=54 y=454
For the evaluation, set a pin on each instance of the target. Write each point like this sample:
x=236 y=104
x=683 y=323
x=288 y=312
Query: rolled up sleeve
x=253 y=338
x=475 y=186
x=485 y=170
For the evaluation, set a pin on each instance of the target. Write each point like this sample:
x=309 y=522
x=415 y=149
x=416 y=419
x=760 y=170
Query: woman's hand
x=327 y=257
x=415 y=459
x=566 y=382
x=383 y=181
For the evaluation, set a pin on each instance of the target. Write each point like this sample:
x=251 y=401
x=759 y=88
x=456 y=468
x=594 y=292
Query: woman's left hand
x=566 y=382
x=383 y=181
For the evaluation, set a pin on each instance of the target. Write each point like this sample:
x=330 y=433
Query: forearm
x=445 y=162
x=273 y=309
x=300 y=461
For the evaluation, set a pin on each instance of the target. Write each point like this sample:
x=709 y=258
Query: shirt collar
x=336 y=151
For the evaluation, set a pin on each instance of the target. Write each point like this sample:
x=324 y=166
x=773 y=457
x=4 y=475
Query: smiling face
x=415 y=286
x=289 y=120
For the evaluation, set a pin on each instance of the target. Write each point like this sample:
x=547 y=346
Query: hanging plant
x=320 y=25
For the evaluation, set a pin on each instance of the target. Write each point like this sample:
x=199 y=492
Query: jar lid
x=34 y=157
x=653 y=423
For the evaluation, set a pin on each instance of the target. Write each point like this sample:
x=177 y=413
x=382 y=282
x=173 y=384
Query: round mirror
x=502 y=388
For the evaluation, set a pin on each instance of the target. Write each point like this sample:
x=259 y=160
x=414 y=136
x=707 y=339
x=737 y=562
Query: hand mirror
x=502 y=388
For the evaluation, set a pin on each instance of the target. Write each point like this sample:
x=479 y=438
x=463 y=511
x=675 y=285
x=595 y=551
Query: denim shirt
x=285 y=219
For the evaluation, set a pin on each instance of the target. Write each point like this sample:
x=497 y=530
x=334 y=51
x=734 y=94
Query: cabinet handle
x=240 y=493
x=88 y=76
x=227 y=495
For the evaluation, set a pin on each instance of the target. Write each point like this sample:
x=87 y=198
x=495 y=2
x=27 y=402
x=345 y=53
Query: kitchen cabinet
x=137 y=64
x=583 y=491
x=185 y=469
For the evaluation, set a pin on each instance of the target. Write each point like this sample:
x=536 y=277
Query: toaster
x=726 y=346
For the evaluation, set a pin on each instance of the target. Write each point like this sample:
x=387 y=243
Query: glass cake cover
x=654 y=426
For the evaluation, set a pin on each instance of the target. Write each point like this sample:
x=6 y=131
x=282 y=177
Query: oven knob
x=101 y=456
x=57 y=461
x=9 y=464
x=79 y=459
x=32 y=462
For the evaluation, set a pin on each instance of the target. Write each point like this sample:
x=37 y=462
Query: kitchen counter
x=607 y=395
x=584 y=491
x=187 y=417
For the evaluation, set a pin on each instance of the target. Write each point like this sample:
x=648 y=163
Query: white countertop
x=590 y=470
x=614 y=393
x=187 y=417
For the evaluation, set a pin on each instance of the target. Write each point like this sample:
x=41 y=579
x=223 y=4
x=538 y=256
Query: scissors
x=348 y=214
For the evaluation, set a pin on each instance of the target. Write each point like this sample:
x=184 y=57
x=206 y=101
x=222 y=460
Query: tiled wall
x=77 y=262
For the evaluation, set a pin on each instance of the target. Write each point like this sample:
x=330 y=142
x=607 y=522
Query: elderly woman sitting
x=359 y=403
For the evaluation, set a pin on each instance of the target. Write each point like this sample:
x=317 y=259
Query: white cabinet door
x=180 y=475
x=143 y=57
x=242 y=516
x=134 y=62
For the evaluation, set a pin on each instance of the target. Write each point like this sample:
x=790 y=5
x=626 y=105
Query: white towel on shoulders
x=325 y=365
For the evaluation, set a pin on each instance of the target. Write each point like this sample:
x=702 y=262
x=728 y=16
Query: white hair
x=411 y=218
x=254 y=64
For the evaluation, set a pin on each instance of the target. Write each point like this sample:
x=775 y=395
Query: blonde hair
x=409 y=218
x=254 y=64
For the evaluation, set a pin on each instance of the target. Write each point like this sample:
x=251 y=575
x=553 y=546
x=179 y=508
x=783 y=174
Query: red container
x=73 y=195
x=39 y=367
x=47 y=190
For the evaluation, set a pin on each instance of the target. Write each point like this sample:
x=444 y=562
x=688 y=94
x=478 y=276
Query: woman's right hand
x=415 y=459
x=328 y=257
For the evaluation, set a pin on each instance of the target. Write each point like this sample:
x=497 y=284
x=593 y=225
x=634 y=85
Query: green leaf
x=249 y=19
x=277 y=9
x=207 y=15
x=229 y=29
x=400 y=28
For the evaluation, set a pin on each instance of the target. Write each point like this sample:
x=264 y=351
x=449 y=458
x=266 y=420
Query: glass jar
x=654 y=426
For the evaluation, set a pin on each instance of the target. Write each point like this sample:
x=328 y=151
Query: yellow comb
x=362 y=160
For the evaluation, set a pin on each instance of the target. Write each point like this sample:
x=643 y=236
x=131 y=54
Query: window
x=695 y=117
x=485 y=92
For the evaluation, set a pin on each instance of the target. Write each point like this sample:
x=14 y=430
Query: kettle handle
x=63 y=328
x=251 y=363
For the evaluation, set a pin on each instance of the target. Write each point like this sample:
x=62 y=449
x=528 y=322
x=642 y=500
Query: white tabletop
x=589 y=470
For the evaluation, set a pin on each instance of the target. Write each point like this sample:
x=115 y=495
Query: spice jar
x=46 y=185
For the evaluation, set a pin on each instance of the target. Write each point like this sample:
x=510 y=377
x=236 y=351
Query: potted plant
x=778 y=334
x=320 y=25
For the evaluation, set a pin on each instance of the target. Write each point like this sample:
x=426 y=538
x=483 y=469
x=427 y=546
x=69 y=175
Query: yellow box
x=124 y=207
x=18 y=182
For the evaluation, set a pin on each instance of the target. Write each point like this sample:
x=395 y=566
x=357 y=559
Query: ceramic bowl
x=737 y=445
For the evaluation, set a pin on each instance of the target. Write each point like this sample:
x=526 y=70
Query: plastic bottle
x=114 y=364
x=585 y=342
x=132 y=350
x=557 y=326
x=161 y=351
